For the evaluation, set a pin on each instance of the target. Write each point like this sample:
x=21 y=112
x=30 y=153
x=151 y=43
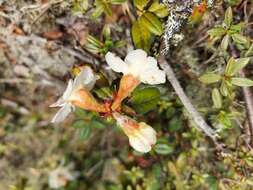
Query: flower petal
x=68 y=90
x=62 y=113
x=59 y=103
x=86 y=78
x=153 y=76
x=62 y=100
x=139 y=143
x=148 y=132
x=141 y=136
x=152 y=62
x=136 y=57
x=116 y=64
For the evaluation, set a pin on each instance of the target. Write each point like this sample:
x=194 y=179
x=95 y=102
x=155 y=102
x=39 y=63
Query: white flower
x=137 y=68
x=60 y=177
x=141 y=136
x=137 y=64
x=77 y=94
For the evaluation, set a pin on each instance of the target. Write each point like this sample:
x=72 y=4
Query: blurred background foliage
x=91 y=148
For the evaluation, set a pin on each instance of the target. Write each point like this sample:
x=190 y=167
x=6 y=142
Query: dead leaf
x=52 y=35
x=17 y=30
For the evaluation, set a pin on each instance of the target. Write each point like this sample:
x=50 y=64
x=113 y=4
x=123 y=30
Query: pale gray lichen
x=176 y=39
x=179 y=10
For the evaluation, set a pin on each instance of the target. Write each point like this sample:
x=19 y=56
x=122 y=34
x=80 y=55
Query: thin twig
x=78 y=55
x=248 y=97
x=247 y=94
x=43 y=82
x=15 y=80
x=201 y=123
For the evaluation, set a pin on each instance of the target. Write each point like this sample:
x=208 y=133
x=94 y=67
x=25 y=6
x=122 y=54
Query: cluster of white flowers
x=136 y=68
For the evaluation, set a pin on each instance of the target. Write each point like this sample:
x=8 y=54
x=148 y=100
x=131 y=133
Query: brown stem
x=247 y=94
x=248 y=97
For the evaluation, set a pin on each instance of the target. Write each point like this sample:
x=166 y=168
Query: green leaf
x=224 y=119
x=228 y=17
x=85 y=132
x=210 y=78
x=80 y=6
x=97 y=124
x=170 y=112
x=107 y=9
x=118 y=2
x=152 y=23
x=241 y=81
x=175 y=124
x=98 y=10
x=104 y=93
x=213 y=183
x=79 y=124
x=141 y=37
x=240 y=39
x=230 y=67
x=163 y=149
x=224 y=42
x=224 y=89
x=120 y=43
x=146 y=99
x=106 y=32
x=94 y=41
x=159 y=9
x=233 y=2
x=217 y=32
x=80 y=113
x=92 y=48
x=140 y=4
x=236 y=65
x=93 y=44
x=217 y=101
x=146 y=107
x=140 y=96
x=235 y=29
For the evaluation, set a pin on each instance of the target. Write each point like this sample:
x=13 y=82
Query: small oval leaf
x=216 y=97
x=141 y=36
x=210 y=78
x=228 y=17
x=159 y=9
x=217 y=32
x=241 y=81
x=85 y=132
x=163 y=149
x=240 y=39
x=152 y=23
x=224 y=43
